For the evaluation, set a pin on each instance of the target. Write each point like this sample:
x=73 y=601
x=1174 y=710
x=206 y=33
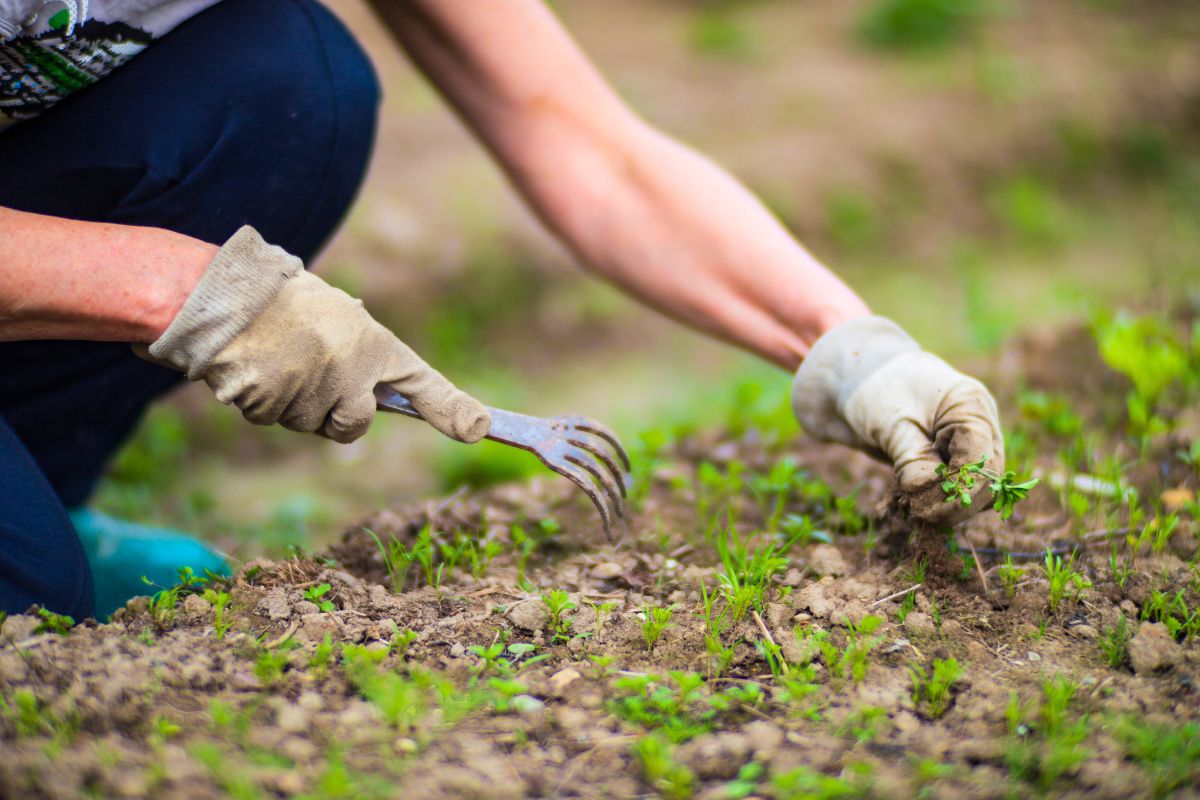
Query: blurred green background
x=974 y=168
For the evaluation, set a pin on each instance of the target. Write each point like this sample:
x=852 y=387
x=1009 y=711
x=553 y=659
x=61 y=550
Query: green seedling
x=523 y=546
x=1010 y=576
x=746 y=782
x=1173 y=611
x=934 y=688
x=803 y=783
x=558 y=603
x=602 y=611
x=1048 y=745
x=1121 y=569
x=655 y=622
x=269 y=666
x=864 y=723
x=666 y=776
x=855 y=658
x=397 y=560
x=958 y=486
x=1169 y=755
x=1163 y=529
x=1114 y=643
x=219 y=600
x=401 y=640
x=676 y=705
x=316 y=595
x=1063 y=577
x=318 y=662
x=53 y=623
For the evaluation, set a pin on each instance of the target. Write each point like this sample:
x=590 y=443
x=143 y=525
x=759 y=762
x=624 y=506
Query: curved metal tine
x=581 y=479
x=580 y=458
x=583 y=443
x=605 y=433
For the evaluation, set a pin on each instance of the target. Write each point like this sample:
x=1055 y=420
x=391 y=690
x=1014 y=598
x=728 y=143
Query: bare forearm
x=683 y=235
x=642 y=210
x=65 y=279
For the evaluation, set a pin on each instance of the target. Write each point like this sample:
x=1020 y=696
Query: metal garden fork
x=570 y=446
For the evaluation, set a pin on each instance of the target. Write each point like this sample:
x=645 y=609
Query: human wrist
x=240 y=280
x=182 y=263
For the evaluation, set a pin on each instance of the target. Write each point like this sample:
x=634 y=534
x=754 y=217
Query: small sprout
x=934 y=689
x=316 y=594
x=1114 y=642
x=1010 y=575
x=655 y=622
x=602 y=612
x=219 y=601
x=1061 y=577
x=54 y=623
x=558 y=603
x=320 y=658
x=959 y=485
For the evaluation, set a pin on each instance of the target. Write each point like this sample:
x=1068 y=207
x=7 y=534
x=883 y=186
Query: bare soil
x=156 y=705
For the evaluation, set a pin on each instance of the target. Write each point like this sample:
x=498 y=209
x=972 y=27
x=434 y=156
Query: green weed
x=655 y=754
x=316 y=596
x=805 y=783
x=920 y=25
x=54 y=623
x=558 y=603
x=958 y=485
x=1010 y=576
x=655 y=622
x=219 y=600
x=1168 y=754
x=1063 y=577
x=934 y=688
x=1182 y=621
x=1114 y=643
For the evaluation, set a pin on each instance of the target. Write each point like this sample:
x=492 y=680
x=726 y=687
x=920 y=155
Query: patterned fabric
x=51 y=48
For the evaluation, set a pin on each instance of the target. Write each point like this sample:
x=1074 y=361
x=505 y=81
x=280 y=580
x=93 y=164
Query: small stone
x=527 y=704
x=793 y=578
x=1083 y=632
x=1033 y=657
x=815 y=598
x=1153 y=648
x=1176 y=498
x=1129 y=609
x=306 y=607
x=457 y=650
x=850 y=613
x=918 y=624
x=825 y=559
x=529 y=615
x=195 y=606
x=292 y=719
x=607 y=570
x=275 y=604
x=18 y=627
x=718 y=755
x=779 y=616
x=310 y=701
x=765 y=739
x=560 y=680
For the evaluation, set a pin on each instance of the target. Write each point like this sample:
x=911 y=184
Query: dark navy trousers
x=257 y=112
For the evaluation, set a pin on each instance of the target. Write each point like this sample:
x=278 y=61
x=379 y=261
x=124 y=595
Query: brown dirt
x=163 y=708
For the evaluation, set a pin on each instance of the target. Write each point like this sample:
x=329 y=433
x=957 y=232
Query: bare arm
x=642 y=210
x=64 y=279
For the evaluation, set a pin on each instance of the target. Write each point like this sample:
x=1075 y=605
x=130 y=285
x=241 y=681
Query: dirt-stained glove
x=868 y=384
x=284 y=346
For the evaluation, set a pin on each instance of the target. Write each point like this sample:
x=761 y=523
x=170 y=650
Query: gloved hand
x=868 y=384
x=284 y=346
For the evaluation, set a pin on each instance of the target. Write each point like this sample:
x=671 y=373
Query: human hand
x=285 y=347
x=867 y=384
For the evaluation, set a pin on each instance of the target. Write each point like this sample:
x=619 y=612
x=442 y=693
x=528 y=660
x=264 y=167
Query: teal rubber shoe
x=121 y=552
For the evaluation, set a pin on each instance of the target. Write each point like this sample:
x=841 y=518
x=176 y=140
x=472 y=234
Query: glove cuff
x=838 y=364
x=243 y=278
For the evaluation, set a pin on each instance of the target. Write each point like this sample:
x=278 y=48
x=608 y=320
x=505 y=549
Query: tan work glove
x=868 y=384
x=284 y=346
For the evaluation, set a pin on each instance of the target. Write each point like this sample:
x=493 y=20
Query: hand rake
x=571 y=446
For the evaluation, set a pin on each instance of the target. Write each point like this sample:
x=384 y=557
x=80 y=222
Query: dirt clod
x=1152 y=648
